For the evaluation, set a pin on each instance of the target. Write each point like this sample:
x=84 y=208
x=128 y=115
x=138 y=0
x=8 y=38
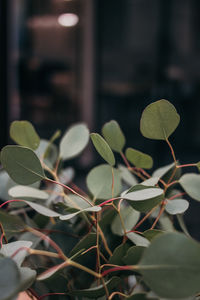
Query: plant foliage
x=115 y=240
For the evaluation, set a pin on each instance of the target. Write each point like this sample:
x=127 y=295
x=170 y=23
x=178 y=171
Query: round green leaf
x=133 y=255
x=24 y=134
x=129 y=216
x=10 y=278
x=191 y=185
x=139 y=159
x=177 y=206
x=103 y=148
x=118 y=254
x=74 y=141
x=22 y=164
x=114 y=136
x=99 y=182
x=143 y=198
x=45 y=211
x=171 y=266
x=159 y=120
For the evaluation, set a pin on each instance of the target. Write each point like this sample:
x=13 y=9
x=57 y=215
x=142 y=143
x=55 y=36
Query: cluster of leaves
x=118 y=240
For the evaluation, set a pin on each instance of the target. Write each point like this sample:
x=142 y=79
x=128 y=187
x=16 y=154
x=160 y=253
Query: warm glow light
x=68 y=20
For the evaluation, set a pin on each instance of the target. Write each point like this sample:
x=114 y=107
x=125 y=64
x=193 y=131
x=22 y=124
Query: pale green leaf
x=191 y=185
x=45 y=211
x=143 y=198
x=24 y=134
x=74 y=141
x=10 y=278
x=177 y=206
x=13 y=247
x=103 y=148
x=151 y=181
x=74 y=201
x=21 y=191
x=138 y=239
x=171 y=266
x=48 y=152
x=159 y=120
x=114 y=136
x=22 y=164
x=100 y=181
x=129 y=216
x=139 y=159
x=89 y=209
x=127 y=176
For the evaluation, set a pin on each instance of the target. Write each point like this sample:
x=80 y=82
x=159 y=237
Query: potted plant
x=117 y=239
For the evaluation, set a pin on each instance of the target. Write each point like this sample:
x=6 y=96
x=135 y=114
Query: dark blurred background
x=64 y=61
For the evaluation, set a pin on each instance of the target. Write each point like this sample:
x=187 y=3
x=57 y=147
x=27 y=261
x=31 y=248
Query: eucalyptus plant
x=118 y=239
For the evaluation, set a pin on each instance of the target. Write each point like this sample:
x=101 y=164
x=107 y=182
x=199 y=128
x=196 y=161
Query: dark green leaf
x=133 y=255
x=150 y=234
x=118 y=254
x=177 y=206
x=114 y=136
x=24 y=134
x=159 y=120
x=11 y=223
x=74 y=141
x=191 y=184
x=22 y=164
x=139 y=159
x=100 y=180
x=85 y=243
x=171 y=266
x=99 y=291
x=143 y=198
x=103 y=148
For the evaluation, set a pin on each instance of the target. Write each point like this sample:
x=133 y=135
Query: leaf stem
x=172 y=151
x=159 y=215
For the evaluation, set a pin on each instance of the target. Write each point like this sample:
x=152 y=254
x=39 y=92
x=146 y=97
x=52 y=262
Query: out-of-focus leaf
x=21 y=191
x=74 y=141
x=138 y=239
x=177 y=206
x=24 y=134
x=191 y=185
x=127 y=176
x=171 y=266
x=96 y=292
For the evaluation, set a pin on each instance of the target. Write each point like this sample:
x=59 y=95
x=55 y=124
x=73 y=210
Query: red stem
x=176 y=196
x=108 y=201
x=50 y=294
x=118 y=268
